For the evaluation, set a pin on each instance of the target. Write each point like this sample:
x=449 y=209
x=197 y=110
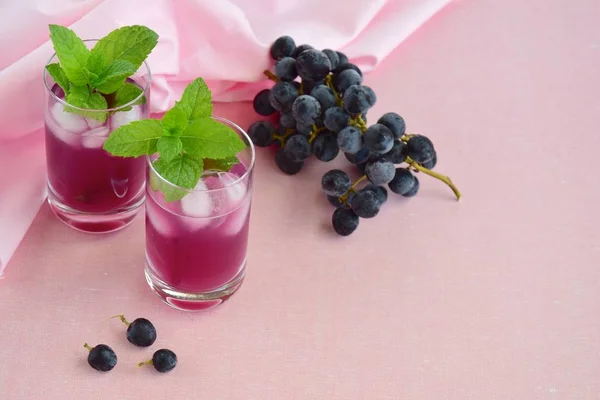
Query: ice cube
x=95 y=138
x=198 y=206
x=237 y=219
x=93 y=123
x=121 y=118
x=161 y=220
x=236 y=191
x=70 y=122
x=69 y=138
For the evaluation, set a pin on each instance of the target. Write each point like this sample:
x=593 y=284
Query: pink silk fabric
x=225 y=42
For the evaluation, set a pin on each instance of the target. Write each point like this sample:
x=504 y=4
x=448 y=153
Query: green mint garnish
x=196 y=100
x=135 y=139
x=126 y=94
x=129 y=43
x=82 y=97
x=72 y=54
x=169 y=148
x=57 y=73
x=113 y=77
x=95 y=79
x=187 y=140
x=207 y=138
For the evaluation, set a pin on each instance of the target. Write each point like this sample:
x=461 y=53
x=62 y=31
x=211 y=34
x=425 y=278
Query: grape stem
x=344 y=198
x=87 y=346
x=315 y=132
x=271 y=75
x=122 y=318
x=282 y=138
x=149 y=362
x=359 y=122
x=329 y=84
x=429 y=172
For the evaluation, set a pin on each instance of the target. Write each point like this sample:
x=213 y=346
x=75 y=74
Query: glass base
x=95 y=222
x=193 y=301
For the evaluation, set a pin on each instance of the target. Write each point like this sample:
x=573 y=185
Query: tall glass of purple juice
x=196 y=246
x=89 y=189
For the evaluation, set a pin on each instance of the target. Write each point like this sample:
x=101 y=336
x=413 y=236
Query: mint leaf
x=183 y=171
x=207 y=138
x=196 y=100
x=175 y=120
x=126 y=94
x=129 y=43
x=113 y=77
x=72 y=53
x=80 y=96
x=57 y=73
x=134 y=139
x=169 y=147
x=96 y=63
x=224 y=164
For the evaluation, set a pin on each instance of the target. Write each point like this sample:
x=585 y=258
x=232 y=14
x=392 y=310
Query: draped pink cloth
x=224 y=41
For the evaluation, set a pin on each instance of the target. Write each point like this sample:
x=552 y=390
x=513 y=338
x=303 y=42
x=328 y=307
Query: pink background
x=493 y=297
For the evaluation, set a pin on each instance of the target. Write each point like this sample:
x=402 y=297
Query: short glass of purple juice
x=196 y=247
x=88 y=188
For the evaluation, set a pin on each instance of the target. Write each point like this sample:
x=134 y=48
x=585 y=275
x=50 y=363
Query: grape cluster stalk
x=321 y=106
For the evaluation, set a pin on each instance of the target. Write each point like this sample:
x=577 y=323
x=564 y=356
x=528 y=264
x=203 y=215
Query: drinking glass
x=89 y=189
x=196 y=247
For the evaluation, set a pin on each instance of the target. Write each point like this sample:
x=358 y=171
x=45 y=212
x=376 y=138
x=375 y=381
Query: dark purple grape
x=306 y=109
x=325 y=147
x=397 y=154
x=344 y=221
x=420 y=149
x=285 y=69
x=301 y=49
x=350 y=140
x=324 y=95
x=360 y=157
x=261 y=133
x=334 y=59
x=358 y=99
x=261 y=103
x=378 y=139
x=297 y=148
x=366 y=204
x=380 y=192
x=343 y=80
x=336 y=119
x=432 y=162
x=308 y=86
x=286 y=165
x=413 y=192
x=313 y=65
x=282 y=95
x=342 y=59
x=394 y=122
x=286 y=120
x=283 y=47
x=380 y=172
x=335 y=182
x=403 y=181
x=346 y=66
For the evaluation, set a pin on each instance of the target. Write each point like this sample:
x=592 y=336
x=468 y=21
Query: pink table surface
x=493 y=297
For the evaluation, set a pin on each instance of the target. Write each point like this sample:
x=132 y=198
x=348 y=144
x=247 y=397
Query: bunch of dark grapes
x=321 y=107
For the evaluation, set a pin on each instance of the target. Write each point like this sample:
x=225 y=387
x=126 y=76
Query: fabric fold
x=226 y=42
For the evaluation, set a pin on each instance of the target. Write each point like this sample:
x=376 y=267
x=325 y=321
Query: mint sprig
x=186 y=139
x=96 y=79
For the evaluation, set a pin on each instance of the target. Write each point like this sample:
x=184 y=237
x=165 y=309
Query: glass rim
x=58 y=99
x=249 y=168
